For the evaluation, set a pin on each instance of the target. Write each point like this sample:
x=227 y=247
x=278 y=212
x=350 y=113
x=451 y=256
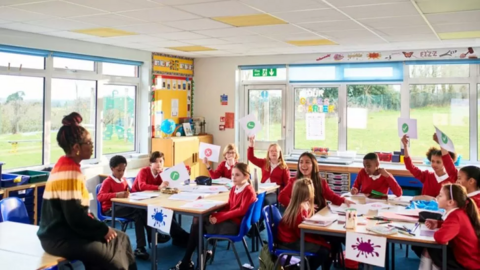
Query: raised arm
x=259 y=162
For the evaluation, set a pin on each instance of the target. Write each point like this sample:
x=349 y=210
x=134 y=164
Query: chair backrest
x=13 y=209
x=100 y=216
x=272 y=220
x=130 y=181
x=257 y=210
x=246 y=221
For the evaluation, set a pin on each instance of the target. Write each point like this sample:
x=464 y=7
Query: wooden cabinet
x=183 y=149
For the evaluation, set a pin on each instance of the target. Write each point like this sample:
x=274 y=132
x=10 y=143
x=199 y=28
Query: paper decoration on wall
x=172 y=65
x=407 y=127
x=303 y=101
x=174 y=107
x=175 y=175
x=331 y=108
x=250 y=124
x=444 y=141
x=210 y=151
x=366 y=248
x=229 y=120
x=315 y=126
x=224 y=100
x=159 y=218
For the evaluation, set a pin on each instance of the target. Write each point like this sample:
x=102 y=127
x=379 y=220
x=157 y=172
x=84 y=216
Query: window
x=372 y=113
x=21 y=121
x=439 y=71
x=445 y=106
x=25 y=61
x=119 y=70
x=118 y=119
x=73 y=64
x=313 y=100
x=267 y=74
x=312 y=73
x=71 y=96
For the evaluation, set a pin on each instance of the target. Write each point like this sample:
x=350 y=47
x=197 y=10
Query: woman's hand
x=349 y=202
x=111 y=234
x=354 y=191
x=212 y=219
x=251 y=141
x=431 y=223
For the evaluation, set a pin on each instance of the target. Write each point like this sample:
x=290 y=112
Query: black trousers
x=114 y=255
x=139 y=216
x=436 y=255
x=322 y=258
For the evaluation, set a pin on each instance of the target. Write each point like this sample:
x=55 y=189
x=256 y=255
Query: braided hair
x=71 y=132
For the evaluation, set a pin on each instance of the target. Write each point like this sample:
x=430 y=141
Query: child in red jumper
x=374 y=178
x=115 y=186
x=300 y=208
x=460 y=228
x=228 y=220
x=432 y=181
x=274 y=169
x=224 y=169
x=149 y=179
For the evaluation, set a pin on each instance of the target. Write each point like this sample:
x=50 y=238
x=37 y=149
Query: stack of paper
x=267 y=185
x=382 y=230
x=424 y=231
x=322 y=221
x=202 y=204
x=188 y=196
x=403 y=200
x=138 y=196
x=204 y=189
x=221 y=181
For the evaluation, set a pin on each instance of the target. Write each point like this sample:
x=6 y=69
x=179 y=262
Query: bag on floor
x=265 y=259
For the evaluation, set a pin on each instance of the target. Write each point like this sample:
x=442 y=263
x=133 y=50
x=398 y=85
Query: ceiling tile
x=360 y=41
x=134 y=45
x=181 y=36
x=441 y=6
x=267 y=44
x=228 y=47
x=248 y=39
x=200 y=24
x=62 y=24
x=27 y=27
x=348 y=34
x=408 y=38
x=455 y=17
x=318 y=15
x=181 y=2
x=456 y=27
x=379 y=23
x=303 y=36
x=167 y=43
x=332 y=26
x=381 y=10
x=115 y=5
x=18 y=2
x=17 y=15
x=109 y=20
x=272 y=29
x=149 y=28
x=217 y=9
x=346 y=3
x=68 y=34
x=162 y=14
x=60 y=9
x=227 y=32
x=284 y=5
x=207 y=41
x=136 y=39
x=404 y=31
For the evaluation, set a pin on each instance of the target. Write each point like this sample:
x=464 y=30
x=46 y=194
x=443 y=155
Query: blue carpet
x=169 y=255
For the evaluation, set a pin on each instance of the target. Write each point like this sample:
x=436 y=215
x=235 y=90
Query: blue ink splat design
x=366 y=248
x=159 y=217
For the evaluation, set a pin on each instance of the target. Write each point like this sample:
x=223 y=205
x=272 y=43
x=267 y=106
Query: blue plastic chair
x=13 y=209
x=67 y=265
x=272 y=220
x=232 y=239
x=123 y=221
x=257 y=214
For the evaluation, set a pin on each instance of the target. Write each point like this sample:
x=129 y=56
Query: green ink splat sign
x=265 y=72
x=176 y=175
x=444 y=141
x=407 y=126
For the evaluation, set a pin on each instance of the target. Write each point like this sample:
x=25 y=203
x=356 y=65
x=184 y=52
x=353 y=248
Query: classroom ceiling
x=210 y=28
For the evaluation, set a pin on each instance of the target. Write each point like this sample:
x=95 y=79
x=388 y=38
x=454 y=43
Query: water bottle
x=255 y=179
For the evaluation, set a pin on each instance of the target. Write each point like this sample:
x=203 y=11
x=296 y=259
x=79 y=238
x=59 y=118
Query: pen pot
x=351 y=219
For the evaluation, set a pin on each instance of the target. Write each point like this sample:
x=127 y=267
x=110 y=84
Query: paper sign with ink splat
x=175 y=175
x=407 y=127
x=444 y=141
x=159 y=218
x=250 y=124
x=366 y=248
x=209 y=151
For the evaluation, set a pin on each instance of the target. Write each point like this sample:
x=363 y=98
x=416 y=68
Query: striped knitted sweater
x=65 y=206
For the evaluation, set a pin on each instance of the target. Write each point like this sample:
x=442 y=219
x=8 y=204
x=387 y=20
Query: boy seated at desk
x=115 y=186
x=374 y=178
x=149 y=179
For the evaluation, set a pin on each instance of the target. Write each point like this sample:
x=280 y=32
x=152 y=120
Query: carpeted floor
x=169 y=255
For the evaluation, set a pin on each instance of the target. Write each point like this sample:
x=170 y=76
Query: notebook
x=323 y=221
x=396 y=217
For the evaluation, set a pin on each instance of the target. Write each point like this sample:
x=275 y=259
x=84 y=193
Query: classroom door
x=266 y=102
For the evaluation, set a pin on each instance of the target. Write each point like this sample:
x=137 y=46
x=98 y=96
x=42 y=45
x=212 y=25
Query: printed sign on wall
x=174 y=65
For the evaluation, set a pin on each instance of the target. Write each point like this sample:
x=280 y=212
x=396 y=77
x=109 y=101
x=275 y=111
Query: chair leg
x=406 y=252
x=308 y=265
x=236 y=254
x=259 y=236
x=228 y=246
x=342 y=258
x=213 y=251
x=248 y=253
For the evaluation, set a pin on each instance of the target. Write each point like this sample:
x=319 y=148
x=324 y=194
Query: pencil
x=406 y=233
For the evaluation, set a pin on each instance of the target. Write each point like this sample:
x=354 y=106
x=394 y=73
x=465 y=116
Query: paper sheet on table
x=204 y=189
x=221 y=181
x=138 y=196
x=267 y=185
x=424 y=231
x=320 y=220
x=210 y=151
x=175 y=175
x=188 y=196
x=340 y=209
x=403 y=200
x=202 y=204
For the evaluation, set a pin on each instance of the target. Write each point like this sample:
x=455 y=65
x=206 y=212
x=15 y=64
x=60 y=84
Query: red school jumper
x=286 y=194
x=237 y=205
x=458 y=231
x=146 y=181
x=365 y=184
x=431 y=187
x=287 y=234
x=450 y=167
x=475 y=196
x=278 y=175
x=109 y=191
x=221 y=171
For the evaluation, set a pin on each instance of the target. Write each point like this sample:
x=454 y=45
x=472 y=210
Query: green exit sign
x=265 y=72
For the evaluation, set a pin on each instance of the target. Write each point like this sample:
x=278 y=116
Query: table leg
x=113 y=215
x=200 y=242
x=444 y=257
x=302 y=249
x=387 y=264
x=154 y=248
x=393 y=256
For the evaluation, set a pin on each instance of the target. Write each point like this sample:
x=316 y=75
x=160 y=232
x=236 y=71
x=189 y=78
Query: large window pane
x=25 y=61
x=372 y=113
x=73 y=64
x=21 y=121
x=316 y=100
x=445 y=106
x=118 y=119
x=119 y=70
x=439 y=71
x=71 y=96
